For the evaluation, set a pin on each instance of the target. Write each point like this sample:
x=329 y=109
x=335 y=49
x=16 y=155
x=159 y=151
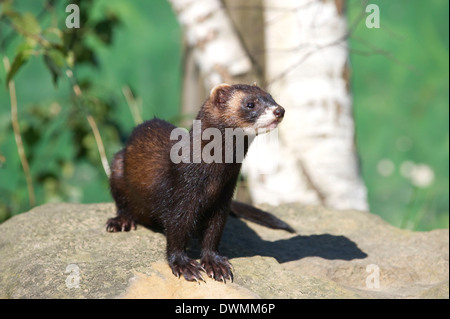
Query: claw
x=217 y=268
x=189 y=268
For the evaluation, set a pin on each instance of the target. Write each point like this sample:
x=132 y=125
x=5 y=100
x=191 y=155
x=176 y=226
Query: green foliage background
x=399 y=82
x=401 y=98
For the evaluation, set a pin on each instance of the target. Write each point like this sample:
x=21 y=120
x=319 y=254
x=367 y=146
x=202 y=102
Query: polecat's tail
x=258 y=216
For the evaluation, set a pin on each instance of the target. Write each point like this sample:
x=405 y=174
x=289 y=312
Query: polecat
x=191 y=197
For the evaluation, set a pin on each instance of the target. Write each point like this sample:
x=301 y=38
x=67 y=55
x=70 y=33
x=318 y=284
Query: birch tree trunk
x=307 y=72
x=306 y=69
x=214 y=54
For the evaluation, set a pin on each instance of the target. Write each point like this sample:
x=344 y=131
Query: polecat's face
x=247 y=107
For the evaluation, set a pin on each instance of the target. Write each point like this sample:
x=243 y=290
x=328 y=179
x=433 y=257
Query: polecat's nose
x=279 y=112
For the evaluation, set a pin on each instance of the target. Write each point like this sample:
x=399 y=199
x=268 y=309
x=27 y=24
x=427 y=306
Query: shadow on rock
x=241 y=241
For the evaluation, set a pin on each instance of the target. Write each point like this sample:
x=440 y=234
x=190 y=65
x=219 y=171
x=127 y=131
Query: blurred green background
x=399 y=83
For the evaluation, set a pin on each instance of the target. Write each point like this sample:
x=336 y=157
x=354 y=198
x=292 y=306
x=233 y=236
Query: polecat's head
x=243 y=106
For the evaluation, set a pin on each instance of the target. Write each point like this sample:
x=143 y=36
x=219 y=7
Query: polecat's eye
x=250 y=105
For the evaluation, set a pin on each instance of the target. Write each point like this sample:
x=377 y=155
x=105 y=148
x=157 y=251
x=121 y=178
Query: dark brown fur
x=186 y=198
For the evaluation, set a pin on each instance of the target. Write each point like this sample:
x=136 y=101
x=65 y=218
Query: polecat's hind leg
x=120 y=223
x=123 y=221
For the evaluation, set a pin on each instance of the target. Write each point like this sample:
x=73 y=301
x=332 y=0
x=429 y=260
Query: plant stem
x=18 y=136
x=93 y=125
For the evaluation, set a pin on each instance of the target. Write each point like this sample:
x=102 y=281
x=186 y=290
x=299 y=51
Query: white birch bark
x=306 y=64
x=209 y=32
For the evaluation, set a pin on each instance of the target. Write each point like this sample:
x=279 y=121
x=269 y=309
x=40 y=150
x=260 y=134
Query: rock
x=63 y=251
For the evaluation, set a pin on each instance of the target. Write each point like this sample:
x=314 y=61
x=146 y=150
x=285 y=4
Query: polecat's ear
x=220 y=94
x=255 y=84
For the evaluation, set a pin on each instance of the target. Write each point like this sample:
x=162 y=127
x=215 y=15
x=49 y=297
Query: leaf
x=24 y=51
x=19 y=60
x=25 y=23
x=104 y=29
x=6 y=7
x=54 y=60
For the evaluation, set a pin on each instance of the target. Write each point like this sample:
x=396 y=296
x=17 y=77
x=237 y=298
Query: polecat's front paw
x=183 y=265
x=217 y=267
